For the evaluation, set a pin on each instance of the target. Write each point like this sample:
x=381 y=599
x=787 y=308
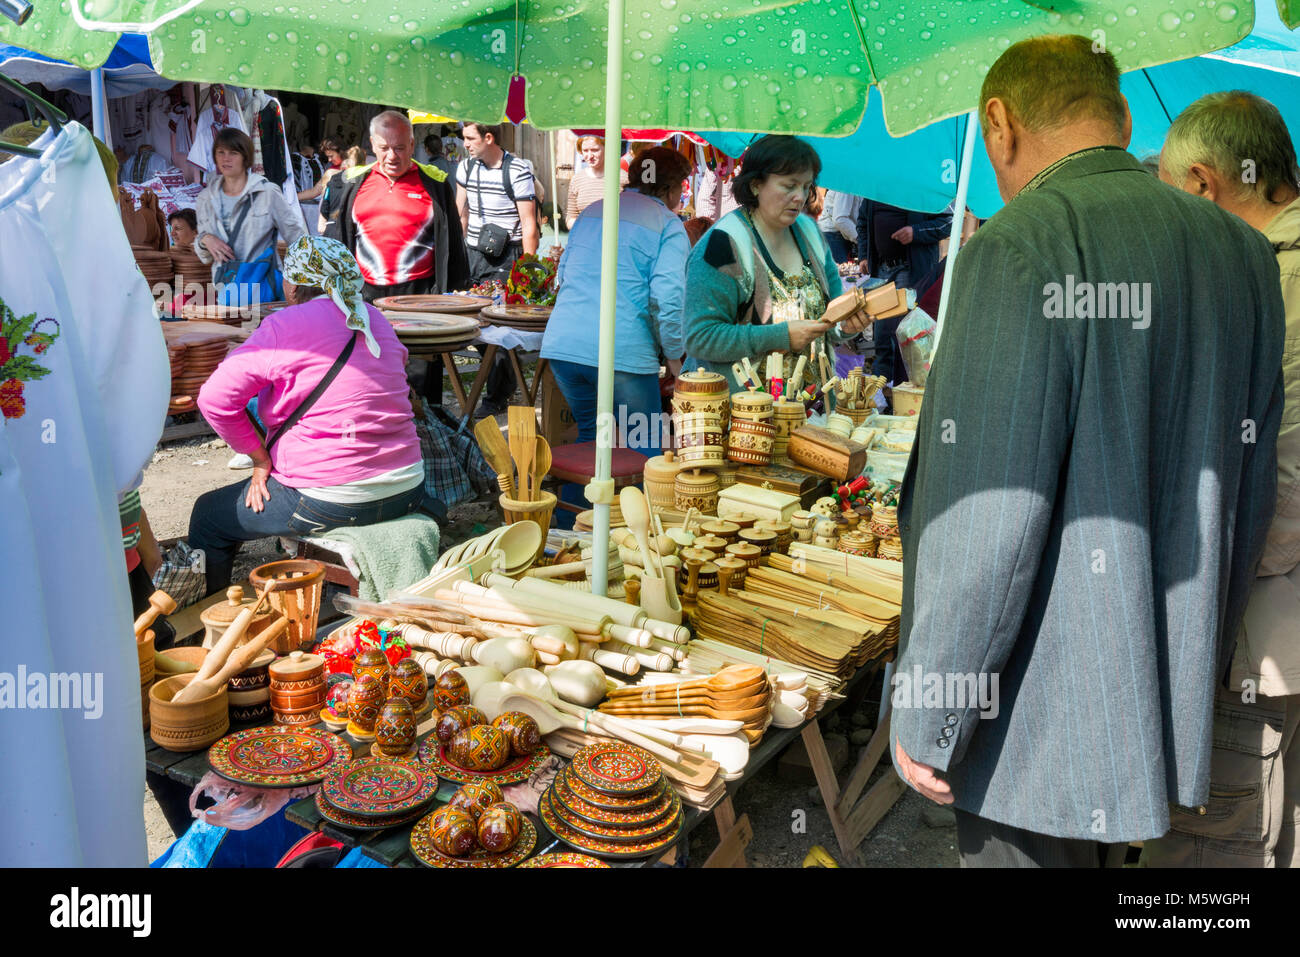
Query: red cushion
x=580 y=458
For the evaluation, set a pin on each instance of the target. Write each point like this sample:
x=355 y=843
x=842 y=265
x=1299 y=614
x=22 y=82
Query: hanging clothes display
x=216 y=117
x=84 y=396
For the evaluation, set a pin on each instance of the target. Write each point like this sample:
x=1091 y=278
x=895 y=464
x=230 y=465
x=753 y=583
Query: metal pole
x=555 y=200
x=600 y=492
x=99 y=107
x=958 y=221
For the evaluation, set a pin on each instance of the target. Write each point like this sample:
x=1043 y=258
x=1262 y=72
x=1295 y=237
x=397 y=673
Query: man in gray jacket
x=1091 y=484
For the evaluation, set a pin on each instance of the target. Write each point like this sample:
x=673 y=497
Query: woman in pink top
x=349 y=458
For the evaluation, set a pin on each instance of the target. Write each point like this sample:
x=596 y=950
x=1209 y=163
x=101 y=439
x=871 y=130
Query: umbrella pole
x=958 y=221
x=99 y=107
x=600 y=491
x=555 y=199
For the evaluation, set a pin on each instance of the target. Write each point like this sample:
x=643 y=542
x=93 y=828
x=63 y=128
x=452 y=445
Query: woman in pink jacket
x=351 y=456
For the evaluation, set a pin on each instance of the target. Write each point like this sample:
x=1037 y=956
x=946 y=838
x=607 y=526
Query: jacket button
x=948 y=732
x=951 y=719
x=942 y=742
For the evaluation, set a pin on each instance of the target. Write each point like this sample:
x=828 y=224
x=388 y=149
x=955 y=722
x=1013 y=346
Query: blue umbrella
x=921 y=170
x=127 y=70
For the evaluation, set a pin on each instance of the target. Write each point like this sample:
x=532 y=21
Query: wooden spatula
x=493 y=445
x=541 y=464
x=522 y=424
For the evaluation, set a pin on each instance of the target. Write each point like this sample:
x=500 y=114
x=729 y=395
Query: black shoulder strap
x=316 y=393
x=505 y=176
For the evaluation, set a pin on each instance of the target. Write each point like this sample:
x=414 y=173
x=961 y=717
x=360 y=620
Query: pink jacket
x=359 y=428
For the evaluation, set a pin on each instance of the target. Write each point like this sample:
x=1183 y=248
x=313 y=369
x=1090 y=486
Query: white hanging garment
x=83 y=393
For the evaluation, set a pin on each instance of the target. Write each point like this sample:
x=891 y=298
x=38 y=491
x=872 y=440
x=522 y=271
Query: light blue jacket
x=652 y=253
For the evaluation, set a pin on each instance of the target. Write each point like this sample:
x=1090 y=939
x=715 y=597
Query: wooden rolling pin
x=654 y=660
x=623 y=664
x=619 y=612
x=160 y=603
x=243 y=657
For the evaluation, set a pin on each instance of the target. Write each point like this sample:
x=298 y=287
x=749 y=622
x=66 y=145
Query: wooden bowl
x=189 y=726
x=189 y=655
x=144 y=651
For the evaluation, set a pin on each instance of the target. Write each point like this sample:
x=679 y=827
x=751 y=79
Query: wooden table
x=468 y=401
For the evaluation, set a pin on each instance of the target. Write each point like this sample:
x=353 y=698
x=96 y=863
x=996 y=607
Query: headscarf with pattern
x=327 y=264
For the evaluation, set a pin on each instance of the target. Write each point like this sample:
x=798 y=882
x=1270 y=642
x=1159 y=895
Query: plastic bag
x=241 y=807
x=915 y=336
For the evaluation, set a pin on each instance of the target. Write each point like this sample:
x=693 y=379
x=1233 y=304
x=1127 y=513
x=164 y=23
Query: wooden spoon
x=541 y=464
x=493 y=446
x=671 y=711
x=523 y=445
x=728 y=679
x=637 y=515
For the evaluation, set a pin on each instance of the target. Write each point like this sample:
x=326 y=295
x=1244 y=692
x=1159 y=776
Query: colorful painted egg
x=337 y=699
x=408 y=681
x=450 y=690
x=395 y=729
x=373 y=662
x=499 y=827
x=452 y=831
x=456 y=719
x=480 y=747
x=521 y=730
x=364 y=701
x=477 y=796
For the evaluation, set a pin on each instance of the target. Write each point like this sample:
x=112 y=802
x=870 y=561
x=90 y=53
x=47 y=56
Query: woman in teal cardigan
x=761 y=254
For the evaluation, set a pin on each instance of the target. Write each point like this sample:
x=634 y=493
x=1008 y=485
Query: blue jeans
x=839 y=247
x=221 y=522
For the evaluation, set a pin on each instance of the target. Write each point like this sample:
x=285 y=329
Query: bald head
x=1047 y=97
x=393 y=142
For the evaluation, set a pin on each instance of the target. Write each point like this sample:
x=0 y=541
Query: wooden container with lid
x=702 y=391
x=761 y=538
x=752 y=406
x=784 y=532
x=298 y=688
x=217 y=618
x=250 y=691
x=712 y=543
x=747 y=552
x=723 y=529
x=658 y=476
x=696 y=488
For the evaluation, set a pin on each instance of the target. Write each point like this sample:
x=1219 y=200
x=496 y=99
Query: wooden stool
x=576 y=463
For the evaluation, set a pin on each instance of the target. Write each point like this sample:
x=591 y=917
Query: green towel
x=393 y=554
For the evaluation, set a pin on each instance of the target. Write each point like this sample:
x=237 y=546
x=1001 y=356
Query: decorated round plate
x=431 y=325
x=517 y=313
x=437 y=302
x=344 y=819
x=605 y=802
x=576 y=811
x=563 y=859
x=515 y=770
x=278 y=757
x=380 y=787
x=428 y=855
x=610 y=850
x=616 y=833
x=614 y=767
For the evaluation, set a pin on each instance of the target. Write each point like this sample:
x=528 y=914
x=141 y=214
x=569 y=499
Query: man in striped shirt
x=493 y=187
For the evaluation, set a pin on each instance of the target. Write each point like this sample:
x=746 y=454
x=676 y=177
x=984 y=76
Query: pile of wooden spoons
x=738 y=693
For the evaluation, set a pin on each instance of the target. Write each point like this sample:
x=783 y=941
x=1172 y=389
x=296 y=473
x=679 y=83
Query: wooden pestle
x=160 y=603
x=632 y=592
x=230 y=638
x=243 y=657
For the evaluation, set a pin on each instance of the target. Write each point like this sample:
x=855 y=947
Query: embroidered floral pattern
x=15 y=369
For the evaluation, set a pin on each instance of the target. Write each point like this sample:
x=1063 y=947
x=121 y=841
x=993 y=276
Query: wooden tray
x=434 y=303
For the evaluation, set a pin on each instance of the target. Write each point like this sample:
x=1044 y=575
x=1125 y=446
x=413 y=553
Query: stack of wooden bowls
x=191 y=273
x=156 y=267
x=200 y=360
x=376 y=792
x=430 y=331
x=297 y=688
x=442 y=303
x=527 y=318
x=613 y=801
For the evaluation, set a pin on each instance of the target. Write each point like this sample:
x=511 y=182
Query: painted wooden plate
x=537 y=314
x=428 y=855
x=278 y=757
x=344 y=819
x=377 y=786
x=563 y=859
x=617 y=768
x=605 y=802
x=606 y=849
x=576 y=812
x=618 y=833
x=515 y=770
x=433 y=326
x=434 y=302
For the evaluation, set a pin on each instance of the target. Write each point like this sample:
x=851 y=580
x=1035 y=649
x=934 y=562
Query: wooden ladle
x=637 y=515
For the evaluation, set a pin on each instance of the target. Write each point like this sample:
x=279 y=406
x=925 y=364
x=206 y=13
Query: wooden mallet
x=160 y=603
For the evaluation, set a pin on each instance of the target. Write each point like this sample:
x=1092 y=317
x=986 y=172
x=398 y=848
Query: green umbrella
x=803 y=66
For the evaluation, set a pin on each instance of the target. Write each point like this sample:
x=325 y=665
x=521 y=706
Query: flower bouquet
x=531 y=282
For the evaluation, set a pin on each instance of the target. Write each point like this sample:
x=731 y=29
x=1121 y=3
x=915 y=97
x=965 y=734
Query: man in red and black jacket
x=399 y=218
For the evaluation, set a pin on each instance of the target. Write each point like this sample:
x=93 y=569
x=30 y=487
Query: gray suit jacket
x=1087 y=500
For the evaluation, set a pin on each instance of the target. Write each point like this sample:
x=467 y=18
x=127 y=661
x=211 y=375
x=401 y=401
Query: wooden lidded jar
x=748 y=553
x=658 y=476
x=697 y=489
x=217 y=618
x=784 y=532
x=751 y=406
x=857 y=543
x=750 y=443
x=298 y=688
x=723 y=529
x=250 y=691
x=712 y=543
x=787 y=415
x=738 y=568
x=761 y=538
x=702 y=391
x=700 y=438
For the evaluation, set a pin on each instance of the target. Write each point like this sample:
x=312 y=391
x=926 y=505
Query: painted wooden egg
x=521 y=730
x=364 y=701
x=477 y=796
x=337 y=698
x=457 y=719
x=372 y=662
x=450 y=690
x=499 y=827
x=395 y=729
x=452 y=831
x=480 y=747
x=408 y=681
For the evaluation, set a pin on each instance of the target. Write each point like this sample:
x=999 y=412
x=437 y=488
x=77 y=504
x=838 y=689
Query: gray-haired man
x=1233 y=149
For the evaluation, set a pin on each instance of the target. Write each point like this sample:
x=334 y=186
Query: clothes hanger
x=51 y=113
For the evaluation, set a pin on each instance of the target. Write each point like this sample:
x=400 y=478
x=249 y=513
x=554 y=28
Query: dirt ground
x=782 y=805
